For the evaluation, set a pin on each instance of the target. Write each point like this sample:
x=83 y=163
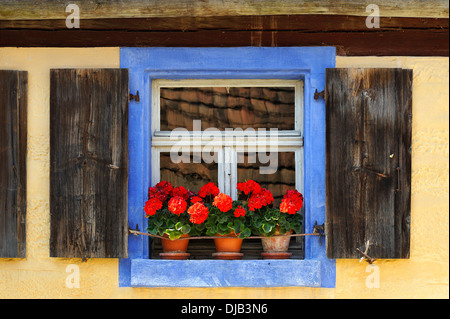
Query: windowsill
x=225 y=273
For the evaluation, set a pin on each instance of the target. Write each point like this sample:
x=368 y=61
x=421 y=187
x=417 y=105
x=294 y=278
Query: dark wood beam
x=349 y=34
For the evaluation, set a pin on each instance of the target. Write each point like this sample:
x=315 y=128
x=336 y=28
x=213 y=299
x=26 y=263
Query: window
x=228 y=131
x=304 y=138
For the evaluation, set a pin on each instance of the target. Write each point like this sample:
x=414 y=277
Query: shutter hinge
x=135 y=97
x=317 y=94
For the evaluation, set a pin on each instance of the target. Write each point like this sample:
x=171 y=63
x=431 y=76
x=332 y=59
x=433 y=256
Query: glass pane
x=228 y=107
x=188 y=173
x=248 y=168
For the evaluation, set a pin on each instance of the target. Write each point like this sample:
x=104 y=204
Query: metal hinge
x=135 y=97
x=317 y=94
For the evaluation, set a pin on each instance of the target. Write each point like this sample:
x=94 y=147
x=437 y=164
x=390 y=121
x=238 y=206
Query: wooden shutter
x=13 y=156
x=368 y=162
x=88 y=162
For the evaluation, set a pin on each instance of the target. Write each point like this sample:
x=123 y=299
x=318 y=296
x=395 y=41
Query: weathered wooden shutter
x=88 y=162
x=368 y=162
x=13 y=156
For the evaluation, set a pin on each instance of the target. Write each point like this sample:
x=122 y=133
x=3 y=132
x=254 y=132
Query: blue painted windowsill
x=225 y=273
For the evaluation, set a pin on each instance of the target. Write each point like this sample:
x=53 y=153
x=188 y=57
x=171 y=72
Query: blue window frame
x=290 y=63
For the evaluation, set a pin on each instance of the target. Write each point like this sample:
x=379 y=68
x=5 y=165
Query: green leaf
x=267 y=227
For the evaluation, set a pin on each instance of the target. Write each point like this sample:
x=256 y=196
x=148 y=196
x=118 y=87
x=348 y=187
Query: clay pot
x=228 y=247
x=276 y=247
x=175 y=249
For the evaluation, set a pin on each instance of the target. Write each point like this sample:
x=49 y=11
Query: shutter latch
x=366 y=257
x=319 y=229
x=317 y=94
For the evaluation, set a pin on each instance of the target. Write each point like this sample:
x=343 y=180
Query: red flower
x=165 y=185
x=223 y=202
x=161 y=191
x=292 y=202
x=198 y=213
x=208 y=189
x=177 y=205
x=152 y=206
x=249 y=187
x=239 y=211
x=259 y=199
x=180 y=191
x=196 y=199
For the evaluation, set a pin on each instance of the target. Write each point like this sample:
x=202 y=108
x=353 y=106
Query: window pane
x=188 y=173
x=228 y=107
x=248 y=168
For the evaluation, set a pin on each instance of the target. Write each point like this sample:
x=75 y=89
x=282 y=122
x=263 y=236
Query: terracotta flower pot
x=228 y=247
x=276 y=247
x=175 y=249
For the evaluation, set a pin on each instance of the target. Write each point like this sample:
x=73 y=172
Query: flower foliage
x=175 y=211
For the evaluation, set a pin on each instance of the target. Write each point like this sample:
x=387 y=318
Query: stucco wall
x=424 y=275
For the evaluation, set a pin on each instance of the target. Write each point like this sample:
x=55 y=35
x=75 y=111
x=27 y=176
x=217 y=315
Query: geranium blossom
x=223 y=202
x=208 y=189
x=259 y=199
x=180 y=191
x=177 y=205
x=152 y=206
x=239 y=211
x=196 y=199
x=292 y=202
x=198 y=213
x=249 y=187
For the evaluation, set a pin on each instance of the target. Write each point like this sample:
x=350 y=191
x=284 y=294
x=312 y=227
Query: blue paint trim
x=308 y=64
x=225 y=273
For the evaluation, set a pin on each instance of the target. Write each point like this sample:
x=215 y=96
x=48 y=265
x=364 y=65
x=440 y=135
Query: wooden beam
x=55 y=9
x=349 y=34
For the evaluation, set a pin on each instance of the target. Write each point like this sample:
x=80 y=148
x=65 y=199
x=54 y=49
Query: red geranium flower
x=239 y=211
x=152 y=206
x=196 y=199
x=223 y=202
x=177 y=205
x=198 y=213
x=292 y=202
x=259 y=199
x=165 y=185
x=208 y=189
x=161 y=191
x=249 y=187
x=180 y=191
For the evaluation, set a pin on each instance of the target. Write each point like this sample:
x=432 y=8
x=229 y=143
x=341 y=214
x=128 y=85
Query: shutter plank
x=13 y=154
x=89 y=162
x=368 y=137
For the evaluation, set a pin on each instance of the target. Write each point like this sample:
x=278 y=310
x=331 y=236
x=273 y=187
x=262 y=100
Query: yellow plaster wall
x=424 y=275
